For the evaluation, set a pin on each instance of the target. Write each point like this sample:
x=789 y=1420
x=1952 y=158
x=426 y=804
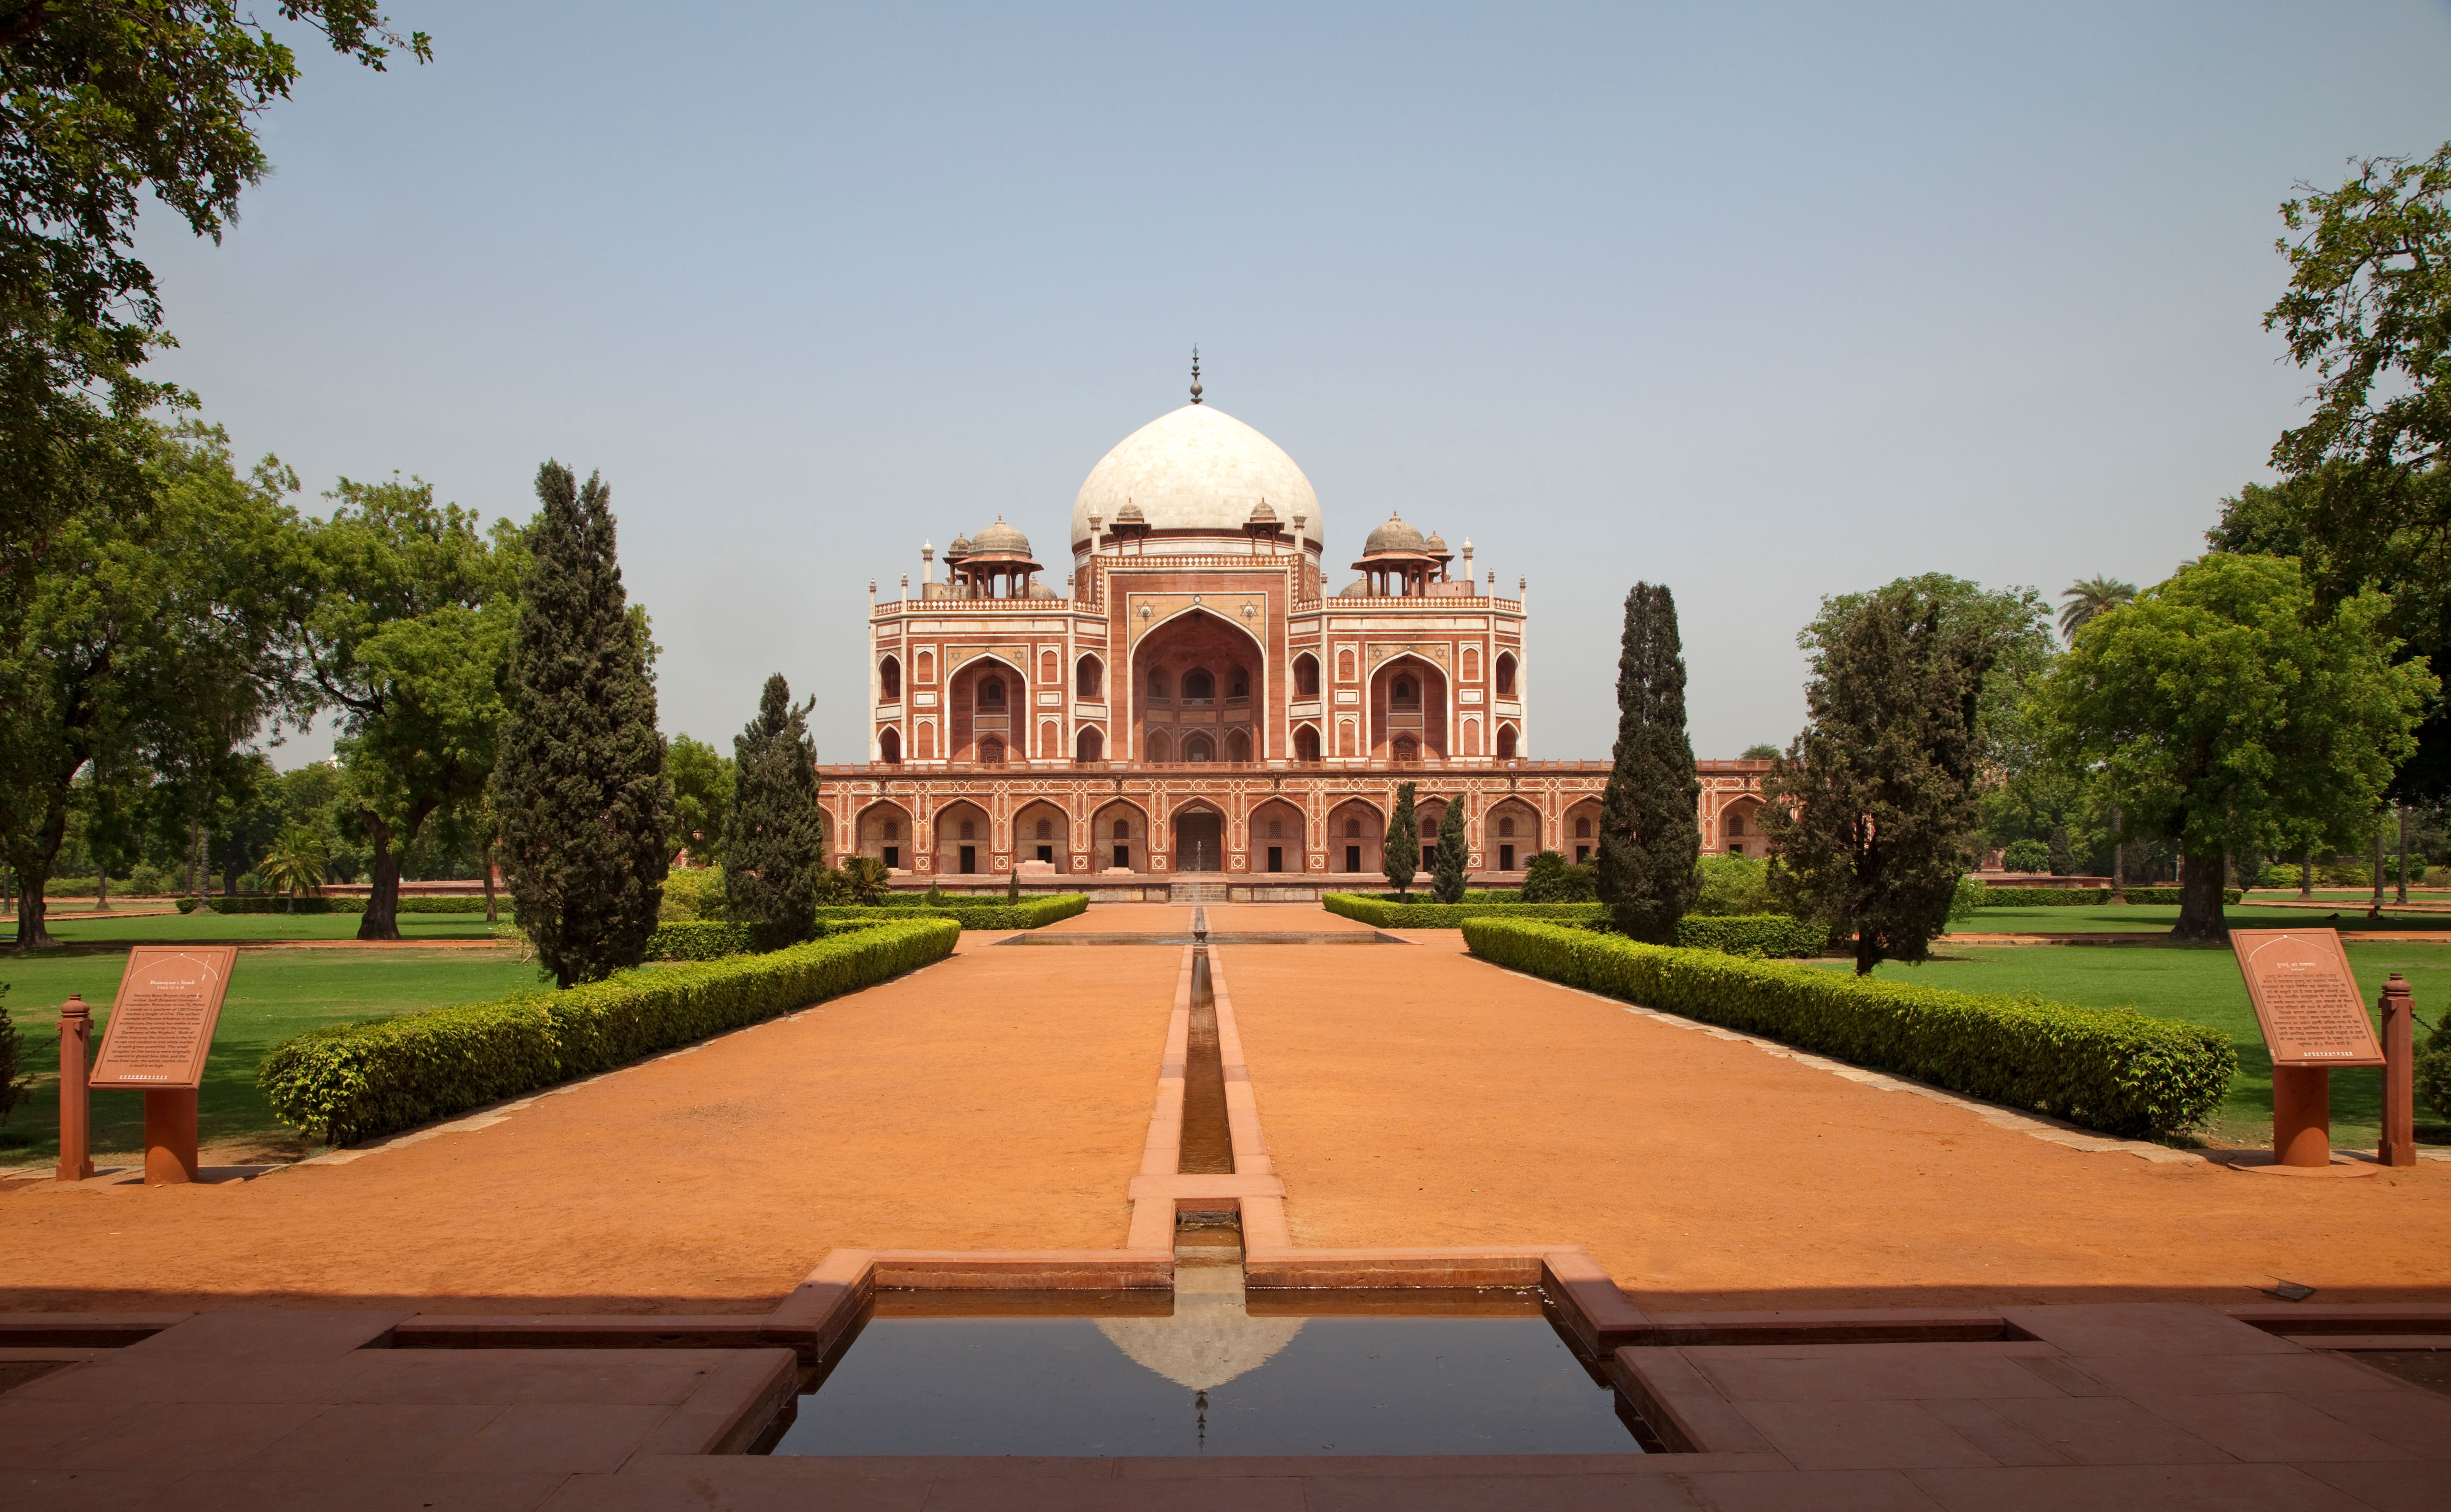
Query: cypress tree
x=1870 y=809
x=774 y=844
x=579 y=778
x=1448 y=866
x=1650 y=843
x=1400 y=858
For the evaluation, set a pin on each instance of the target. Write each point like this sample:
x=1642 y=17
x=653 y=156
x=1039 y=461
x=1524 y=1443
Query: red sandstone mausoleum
x=1197 y=708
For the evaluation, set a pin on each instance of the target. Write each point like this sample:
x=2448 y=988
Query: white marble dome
x=1196 y=469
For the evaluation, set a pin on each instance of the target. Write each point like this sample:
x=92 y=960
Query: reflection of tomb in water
x=1302 y=1373
x=1210 y=1339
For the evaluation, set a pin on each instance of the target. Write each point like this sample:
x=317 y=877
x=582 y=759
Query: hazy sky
x=1761 y=303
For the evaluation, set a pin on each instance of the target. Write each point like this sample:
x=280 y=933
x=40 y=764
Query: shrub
x=2278 y=874
x=980 y=915
x=2026 y=855
x=697 y=940
x=2170 y=894
x=1733 y=884
x=2344 y=874
x=2114 y=1069
x=357 y=1081
x=1972 y=893
x=696 y=893
x=1380 y=914
x=1549 y=877
x=2047 y=897
x=1753 y=934
x=189 y=904
x=145 y=880
x=2434 y=1069
x=15 y=1088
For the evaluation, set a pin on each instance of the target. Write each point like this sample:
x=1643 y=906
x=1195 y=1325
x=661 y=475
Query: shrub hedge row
x=357 y=1081
x=1028 y=915
x=1751 y=933
x=263 y=903
x=698 y=940
x=2116 y=1071
x=2043 y=897
x=1380 y=914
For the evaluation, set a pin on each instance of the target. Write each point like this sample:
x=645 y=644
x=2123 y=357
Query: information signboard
x=2306 y=999
x=162 y=1023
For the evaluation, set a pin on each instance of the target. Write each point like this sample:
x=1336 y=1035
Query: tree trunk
x=2374 y=906
x=2118 y=857
x=2403 y=854
x=380 y=920
x=2200 y=899
x=195 y=856
x=485 y=860
x=2306 y=874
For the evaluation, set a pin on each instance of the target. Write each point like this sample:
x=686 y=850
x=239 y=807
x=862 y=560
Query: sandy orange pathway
x=998 y=1100
x=1413 y=1095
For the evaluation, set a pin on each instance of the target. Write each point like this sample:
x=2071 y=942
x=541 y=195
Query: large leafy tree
x=1872 y=808
x=703 y=779
x=2237 y=718
x=775 y=846
x=408 y=640
x=2365 y=498
x=154 y=623
x=579 y=785
x=1650 y=841
x=105 y=103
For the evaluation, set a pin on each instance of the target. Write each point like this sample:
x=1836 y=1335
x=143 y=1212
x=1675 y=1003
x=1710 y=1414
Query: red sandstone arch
x=950 y=824
x=1357 y=830
x=885 y=826
x=1028 y=820
x=1132 y=838
x=1279 y=825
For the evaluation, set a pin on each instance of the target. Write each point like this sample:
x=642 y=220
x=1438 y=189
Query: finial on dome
x=1195 y=375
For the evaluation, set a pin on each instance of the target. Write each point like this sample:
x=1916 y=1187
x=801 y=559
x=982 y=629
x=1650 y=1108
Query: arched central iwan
x=1199 y=692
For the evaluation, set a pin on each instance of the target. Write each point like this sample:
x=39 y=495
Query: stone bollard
x=76 y=1105
x=2399 y=1144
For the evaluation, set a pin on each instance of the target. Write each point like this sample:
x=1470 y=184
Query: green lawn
x=201 y=928
x=273 y=995
x=2146 y=918
x=2199 y=984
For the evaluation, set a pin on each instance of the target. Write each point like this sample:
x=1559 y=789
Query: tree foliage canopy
x=1400 y=858
x=1871 y=810
x=408 y=639
x=1649 y=837
x=774 y=845
x=100 y=101
x=580 y=783
x=2235 y=717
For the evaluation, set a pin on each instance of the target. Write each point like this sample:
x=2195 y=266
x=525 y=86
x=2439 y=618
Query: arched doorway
x=1089 y=745
x=1277 y=844
x=1041 y=832
x=965 y=846
x=1357 y=835
x=1119 y=838
x=1198 y=840
x=1198 y=676
x=1510 y=836
x=884 y=833
x=1408 y=710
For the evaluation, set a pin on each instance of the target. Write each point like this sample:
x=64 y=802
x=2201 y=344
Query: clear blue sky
x=1762 y=303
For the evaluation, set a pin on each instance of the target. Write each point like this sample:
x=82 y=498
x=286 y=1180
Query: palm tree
x=2089 y=597
x=296 y=863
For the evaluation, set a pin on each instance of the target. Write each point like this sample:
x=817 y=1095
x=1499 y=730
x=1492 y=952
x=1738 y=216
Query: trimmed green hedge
x=1385 y=916
x=697 y=940
x=2172 y=894
x=1747 y=934
x=2114 y=1069
x=1028 y=915
x=357 y=1081
x=2044 y=897
x=265 y=903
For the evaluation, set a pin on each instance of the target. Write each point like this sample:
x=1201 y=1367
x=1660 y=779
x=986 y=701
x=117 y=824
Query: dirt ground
x=1411 y=1096
x=986 y=1102
x=1704 y=1172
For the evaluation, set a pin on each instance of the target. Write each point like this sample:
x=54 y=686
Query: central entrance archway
x=1199 y=841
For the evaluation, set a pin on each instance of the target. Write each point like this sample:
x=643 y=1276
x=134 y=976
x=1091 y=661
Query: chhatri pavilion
x=1198 y=703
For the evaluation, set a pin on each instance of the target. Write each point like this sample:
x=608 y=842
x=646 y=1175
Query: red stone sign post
x=2307 y=1003
x=161 y=1029
x=76 y=1109
x=2399 y=1144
